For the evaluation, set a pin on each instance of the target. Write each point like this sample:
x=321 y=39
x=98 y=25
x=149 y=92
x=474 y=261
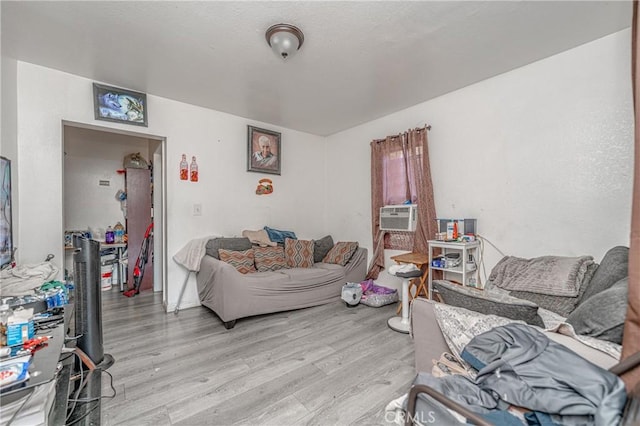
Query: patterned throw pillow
x=341 y=252
x=269 y=258
x=298 y=253
x=241 y=260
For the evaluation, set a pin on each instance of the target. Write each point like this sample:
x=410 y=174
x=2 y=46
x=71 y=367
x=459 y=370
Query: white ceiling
x=360 y=60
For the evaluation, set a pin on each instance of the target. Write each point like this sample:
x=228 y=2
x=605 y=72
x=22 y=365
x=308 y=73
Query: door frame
x=162 y=180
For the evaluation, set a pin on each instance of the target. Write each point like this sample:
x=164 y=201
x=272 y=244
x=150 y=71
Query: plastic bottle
x=118 y=231
x=5 y=313
x=449 y=231
x=109 y=236
x=194 y=169
x=455 y=230
x=184 y=168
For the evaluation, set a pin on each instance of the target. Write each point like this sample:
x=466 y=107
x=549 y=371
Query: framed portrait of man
x=264 y=151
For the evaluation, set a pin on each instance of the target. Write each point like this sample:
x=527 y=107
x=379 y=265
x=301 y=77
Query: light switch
x=197 y=209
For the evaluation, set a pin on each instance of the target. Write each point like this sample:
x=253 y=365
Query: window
x=398 y=184
x=400 y=172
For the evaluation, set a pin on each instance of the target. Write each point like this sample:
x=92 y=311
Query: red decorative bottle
x=194 y=169
x=184 y=168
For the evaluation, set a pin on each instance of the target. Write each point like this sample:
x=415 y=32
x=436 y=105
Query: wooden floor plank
x=363 y=400
x=155 y=417
x=261 y=398
x=327 y=364
x=287 y=411
x=143 y=398
x=352 y=377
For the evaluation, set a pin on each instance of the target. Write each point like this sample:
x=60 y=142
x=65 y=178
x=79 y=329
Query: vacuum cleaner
x=141 y=262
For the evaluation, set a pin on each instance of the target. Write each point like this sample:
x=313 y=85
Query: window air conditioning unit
x=399 y=218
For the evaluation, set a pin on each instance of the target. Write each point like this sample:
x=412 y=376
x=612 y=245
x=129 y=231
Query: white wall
x=542 y=160
x=541 y=156
x=225 y=190
x=91 y=157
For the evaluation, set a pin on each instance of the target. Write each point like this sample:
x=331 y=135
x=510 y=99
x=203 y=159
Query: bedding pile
x=518 y=366
x=552 y=275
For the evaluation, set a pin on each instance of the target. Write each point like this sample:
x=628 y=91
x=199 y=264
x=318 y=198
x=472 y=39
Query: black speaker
x=88 y=298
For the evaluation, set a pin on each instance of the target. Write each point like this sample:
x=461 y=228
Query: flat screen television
x=6 y=234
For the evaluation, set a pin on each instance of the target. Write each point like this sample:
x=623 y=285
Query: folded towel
x=407 y=267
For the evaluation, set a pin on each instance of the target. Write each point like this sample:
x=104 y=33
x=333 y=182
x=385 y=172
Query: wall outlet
x=197 y=209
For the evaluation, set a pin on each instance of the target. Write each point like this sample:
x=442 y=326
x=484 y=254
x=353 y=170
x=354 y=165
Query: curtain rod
x=418 y=129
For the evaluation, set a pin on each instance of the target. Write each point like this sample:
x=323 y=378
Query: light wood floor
x=326 y=365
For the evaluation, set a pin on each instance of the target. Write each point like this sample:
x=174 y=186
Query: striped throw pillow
x=269 y=258
x=298 y=253
x=241 y=260
x=341 y=252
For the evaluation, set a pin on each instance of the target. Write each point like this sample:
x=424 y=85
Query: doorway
x=95 y=197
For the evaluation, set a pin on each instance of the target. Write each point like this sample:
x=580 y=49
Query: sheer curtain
x=400 y=171
x=631 y=337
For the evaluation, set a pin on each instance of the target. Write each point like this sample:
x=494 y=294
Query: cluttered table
x=34 y=323
x=33 y=382
x=50 y=336
x=119 y=261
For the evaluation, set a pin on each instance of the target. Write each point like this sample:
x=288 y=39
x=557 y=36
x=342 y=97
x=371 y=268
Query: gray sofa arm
x=428 y=340
x=356 y=269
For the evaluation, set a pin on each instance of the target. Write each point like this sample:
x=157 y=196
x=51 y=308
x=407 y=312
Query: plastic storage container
x=109 y=236
x=106 y=271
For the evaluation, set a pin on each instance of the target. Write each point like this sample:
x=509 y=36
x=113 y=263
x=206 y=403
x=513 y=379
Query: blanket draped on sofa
x=553 y=275
x=232 y=295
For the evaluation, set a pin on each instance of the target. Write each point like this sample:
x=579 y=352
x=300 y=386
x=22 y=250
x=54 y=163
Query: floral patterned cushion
x=298 y=253
x=341 y=252
x=269 y=258
x=243 y=261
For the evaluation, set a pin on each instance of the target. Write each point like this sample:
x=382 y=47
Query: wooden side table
x=421 y=260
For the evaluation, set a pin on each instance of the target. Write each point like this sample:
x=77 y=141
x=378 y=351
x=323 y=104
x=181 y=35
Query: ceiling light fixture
x=285 y=39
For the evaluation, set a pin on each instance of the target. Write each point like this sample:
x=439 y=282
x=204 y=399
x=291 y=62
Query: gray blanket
x=553 y=275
